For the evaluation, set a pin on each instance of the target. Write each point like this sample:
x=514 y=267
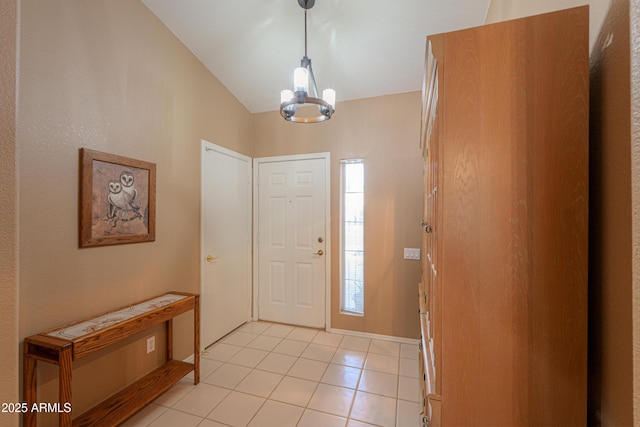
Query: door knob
x=320 y=252
x=211 y=258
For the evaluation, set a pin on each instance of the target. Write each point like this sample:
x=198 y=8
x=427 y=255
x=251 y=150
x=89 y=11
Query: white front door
x=225 y=242
x=292 y=232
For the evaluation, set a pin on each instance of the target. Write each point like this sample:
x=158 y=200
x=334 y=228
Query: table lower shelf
x=129 y=400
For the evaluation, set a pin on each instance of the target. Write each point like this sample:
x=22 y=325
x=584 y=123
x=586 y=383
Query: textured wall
x=108 y=75
x=385 y=132
x=8 y=210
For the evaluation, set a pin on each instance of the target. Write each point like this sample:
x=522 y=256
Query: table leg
x=196 y=340
x=30 y=387
x=64 y=381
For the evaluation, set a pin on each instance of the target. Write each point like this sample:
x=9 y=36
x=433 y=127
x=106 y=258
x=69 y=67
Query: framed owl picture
x=117 y=199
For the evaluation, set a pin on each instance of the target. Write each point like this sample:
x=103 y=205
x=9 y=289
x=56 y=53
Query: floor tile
x=277 y=330
x=267 y=374
x=278 y=363
x=349 y=357
x=388 y=348
x=331 y=399
x=294 y=390
x=354 y=423
x=207 y=367
x=326 y=338
x=319 y=352
x=374 y=409
x=228 y=375
x=201 y=400
x=221 y=352
x=290 y=347
x=379 y=383
x=355 y=343
x=145 y=416
x=255 y=327
x=239 y=338
x=308 y=369
x=175 y=393
x=311 y=418
x=409 y=351
x=409 y=389
x=249 y=357
x=302 y=334
x=382 y=363
x=409 y=368
x=408 y=414
x=264 y=342
x=342 y=376
x=209 y=423
x=173 y=418
x=259 y=383
x=277 y=414
x=237 y=409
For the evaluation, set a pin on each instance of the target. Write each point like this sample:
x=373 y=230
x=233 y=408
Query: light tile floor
x=273 y=375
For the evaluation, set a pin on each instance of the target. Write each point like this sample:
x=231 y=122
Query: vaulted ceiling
x=359 y=48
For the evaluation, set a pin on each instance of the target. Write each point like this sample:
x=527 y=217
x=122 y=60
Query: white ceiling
x=360 y=48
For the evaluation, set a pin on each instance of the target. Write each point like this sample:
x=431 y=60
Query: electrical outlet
x=151 y=344
x=412 y=253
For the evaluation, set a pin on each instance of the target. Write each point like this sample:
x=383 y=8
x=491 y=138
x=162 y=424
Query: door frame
x=327 y=279
x=209 y=146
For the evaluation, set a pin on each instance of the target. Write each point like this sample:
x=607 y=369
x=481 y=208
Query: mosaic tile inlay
x=72 y=332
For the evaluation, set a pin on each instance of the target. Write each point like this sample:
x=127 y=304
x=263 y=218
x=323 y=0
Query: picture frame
x=117 y=199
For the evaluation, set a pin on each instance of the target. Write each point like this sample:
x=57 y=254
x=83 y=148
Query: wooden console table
x=63 y=345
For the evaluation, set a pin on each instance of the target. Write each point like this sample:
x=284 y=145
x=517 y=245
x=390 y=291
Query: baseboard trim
x=374 y=336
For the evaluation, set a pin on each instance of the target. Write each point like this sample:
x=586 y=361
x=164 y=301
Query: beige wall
x=385 y=132
x=107 y=75
x=9 y=378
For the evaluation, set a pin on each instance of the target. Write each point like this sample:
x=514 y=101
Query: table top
x=77 y=330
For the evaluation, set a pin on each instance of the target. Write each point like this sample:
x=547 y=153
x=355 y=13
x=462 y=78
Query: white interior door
x=225 y=242
x=292 y=246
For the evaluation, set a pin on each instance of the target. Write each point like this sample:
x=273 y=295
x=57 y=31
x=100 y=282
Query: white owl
x=117 y=200
x=130 y=191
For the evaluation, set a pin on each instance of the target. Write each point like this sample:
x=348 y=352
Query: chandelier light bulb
x=329 y=96
x=301 y=80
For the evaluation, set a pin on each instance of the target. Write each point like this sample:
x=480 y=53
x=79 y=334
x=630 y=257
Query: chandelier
x=291 y=101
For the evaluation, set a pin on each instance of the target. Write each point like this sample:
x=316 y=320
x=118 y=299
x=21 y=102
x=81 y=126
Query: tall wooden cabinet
x=504 y=294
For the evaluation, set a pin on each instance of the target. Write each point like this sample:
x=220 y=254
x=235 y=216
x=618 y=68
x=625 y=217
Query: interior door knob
x=320 y=252
x=211 y=258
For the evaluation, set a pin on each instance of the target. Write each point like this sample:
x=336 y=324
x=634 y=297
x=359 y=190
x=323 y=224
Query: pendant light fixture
x=291 y=100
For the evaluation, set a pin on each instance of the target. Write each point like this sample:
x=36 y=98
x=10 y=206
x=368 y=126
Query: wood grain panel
x=511 y=219
x=476 y=190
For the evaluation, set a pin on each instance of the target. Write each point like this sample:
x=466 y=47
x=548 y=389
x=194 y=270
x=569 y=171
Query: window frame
x=343 y=187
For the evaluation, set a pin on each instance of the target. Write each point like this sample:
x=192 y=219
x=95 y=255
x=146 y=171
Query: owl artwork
x=118 y=196
x=122 y=200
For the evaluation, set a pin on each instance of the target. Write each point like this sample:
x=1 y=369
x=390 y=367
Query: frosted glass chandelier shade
x=304 y=82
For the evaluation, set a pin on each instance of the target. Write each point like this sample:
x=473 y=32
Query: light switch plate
x=412 y=253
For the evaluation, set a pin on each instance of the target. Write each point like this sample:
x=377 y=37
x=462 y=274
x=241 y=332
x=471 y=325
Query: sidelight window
x=352 y=236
